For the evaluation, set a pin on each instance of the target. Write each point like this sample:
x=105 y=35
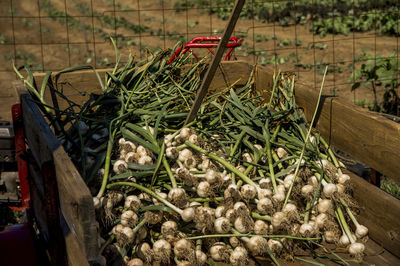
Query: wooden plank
x=75 y=254
x=76 y=204
x=205 y=84
x=40 y=138
x=76 y=83
x=37 y=201
x=75 y=199
x=365 y=136
x=380 y=212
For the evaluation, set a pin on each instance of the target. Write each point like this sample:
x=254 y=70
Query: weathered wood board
x=380 y=212
x=76 y=202
x=365 y=136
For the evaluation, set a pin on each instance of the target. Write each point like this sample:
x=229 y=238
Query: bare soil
x=57 y=46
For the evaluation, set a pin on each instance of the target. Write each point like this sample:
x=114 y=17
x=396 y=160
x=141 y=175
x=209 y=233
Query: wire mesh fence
x=358 y=40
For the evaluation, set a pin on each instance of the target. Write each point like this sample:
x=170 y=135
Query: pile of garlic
x=239 y=217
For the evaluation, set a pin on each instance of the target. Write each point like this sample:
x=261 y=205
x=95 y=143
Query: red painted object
x=19 y=152
x=18 y=239
x=207 y=42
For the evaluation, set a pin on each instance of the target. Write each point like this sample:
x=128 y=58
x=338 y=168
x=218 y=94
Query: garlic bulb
x=257 y=245
x=211 y=176
x=261 y=227
x=248 y=191
x=219 y=252
x=162 y=250
x=185 y=133
x=287 y=182
x=120 y=166
x=247 y=157
x=307 y=191
x=344 y=240
x=132 y=202
x=275 y=246
x=201 y=257
x=135 y=262
x=329 y=190
x=264 y=193
x=188 y=214
x=185 y=154
x=278 y=219
x=177 y=196
x=324 y=205
x=356 y=249
x=145 y=160
x=183 y=249
x=172 y=152
x=142 y=151
x=219 y=211
x=281 y=152
x=361 y=231
x=203 y=189
x=243 y=224
x=144 y=252
x=264 y=206
x=169 y=228
x=241 y=208
x=343 y=178
x=239 y=256
x=307 y=230
x=129 y=218
x=222 y=225
x=264 y=183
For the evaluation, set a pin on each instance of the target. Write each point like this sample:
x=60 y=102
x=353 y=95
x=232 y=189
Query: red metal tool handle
x=207 y=42
x=19 y=138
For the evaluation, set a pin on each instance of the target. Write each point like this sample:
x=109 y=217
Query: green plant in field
x=284 y=43
x=316 y=45
x=364 y=103
x=384 y=21
x=3 y=39
x=328 y=17
x=28 y=23
x=390 y=186
x=378 y=71
x=193 y=24
x=28 y=59
x=275 y=59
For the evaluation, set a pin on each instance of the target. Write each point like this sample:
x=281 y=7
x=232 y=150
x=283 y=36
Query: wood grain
x=380 y=212
x=76 y=202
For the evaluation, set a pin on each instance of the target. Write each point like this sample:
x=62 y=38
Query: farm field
x=43 y=40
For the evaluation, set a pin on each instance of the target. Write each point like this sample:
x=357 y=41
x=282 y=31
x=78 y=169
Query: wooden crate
x=365 y=136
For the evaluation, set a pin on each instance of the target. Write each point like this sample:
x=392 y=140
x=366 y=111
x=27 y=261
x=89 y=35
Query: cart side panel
x=366 y=136
x=76 y=203
x=37 y=200
x=380 y=212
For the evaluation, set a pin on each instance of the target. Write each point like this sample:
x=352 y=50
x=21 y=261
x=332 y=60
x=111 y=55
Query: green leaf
x=156 y=208
x=77 y=68
x=129 y=135
x=158 y=164
x=143 y=132
x=140 y=167
x=44 y=84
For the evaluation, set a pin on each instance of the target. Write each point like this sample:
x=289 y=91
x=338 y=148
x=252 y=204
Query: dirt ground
x=49 y=44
